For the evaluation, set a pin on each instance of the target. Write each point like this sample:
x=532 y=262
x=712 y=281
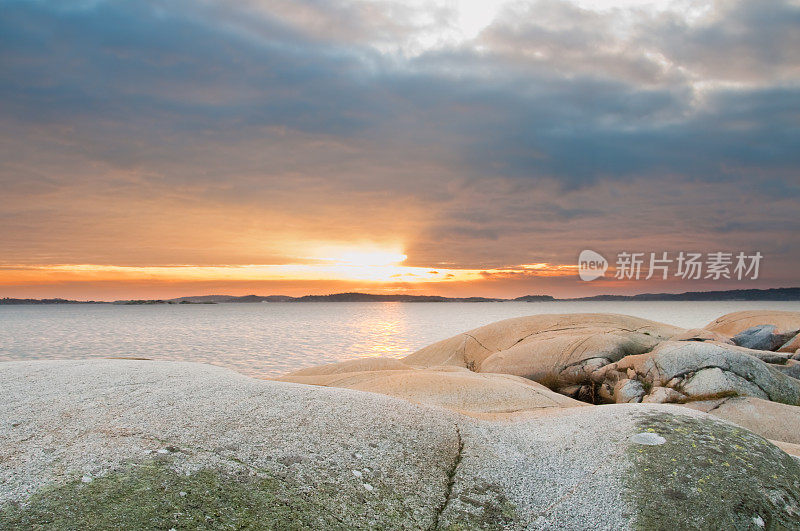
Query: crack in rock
x=722 y=402
x=478 y=342
x=451 y=479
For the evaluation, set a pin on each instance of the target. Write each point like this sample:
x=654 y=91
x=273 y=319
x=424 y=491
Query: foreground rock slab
x=628 y=466
x=336 y=458
x=143 y=444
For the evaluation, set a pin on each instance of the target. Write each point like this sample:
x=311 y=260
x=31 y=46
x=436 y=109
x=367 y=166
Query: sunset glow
x=444 y=147
x=352 y=270
x=361 y=257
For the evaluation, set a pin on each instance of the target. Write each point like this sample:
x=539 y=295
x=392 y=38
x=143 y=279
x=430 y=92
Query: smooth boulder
x=736 y=322
x=558 y=350
x=772 y=420
x=458 y=389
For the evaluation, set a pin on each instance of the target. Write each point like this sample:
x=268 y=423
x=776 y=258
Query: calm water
x=269 y=339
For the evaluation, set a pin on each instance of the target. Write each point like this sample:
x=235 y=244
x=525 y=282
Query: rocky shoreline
x=579 y=421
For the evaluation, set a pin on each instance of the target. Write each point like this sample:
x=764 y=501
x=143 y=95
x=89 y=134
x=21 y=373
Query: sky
x=155 y=148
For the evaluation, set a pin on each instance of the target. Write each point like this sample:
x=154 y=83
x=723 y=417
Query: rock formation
x=594 y=358
x=144 y=444
x=458 y=389
x=543 y=422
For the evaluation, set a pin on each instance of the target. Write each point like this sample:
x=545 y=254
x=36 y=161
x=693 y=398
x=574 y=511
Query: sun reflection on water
x=384 y=332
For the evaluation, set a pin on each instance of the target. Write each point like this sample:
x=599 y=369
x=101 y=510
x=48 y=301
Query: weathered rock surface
x=137 y=444
x=764 y=355
x=356 y=365
x=663 y=395
x=66 y=420
x=451 y=387
x=705 y=369
x=791 y=368
x=713 y=381
x=791 y=346
x=557 y=350
x=595 y=358
x=736 y=322
x=627 y=391
x=769 y=419
x=763 y=337
x=695 y=478
x=701 y=334
x=790 y=448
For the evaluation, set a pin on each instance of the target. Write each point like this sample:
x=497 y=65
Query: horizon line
x=412 y=295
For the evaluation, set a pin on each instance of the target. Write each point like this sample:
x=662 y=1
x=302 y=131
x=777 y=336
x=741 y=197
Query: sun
x=371 y=258
x=360 y=256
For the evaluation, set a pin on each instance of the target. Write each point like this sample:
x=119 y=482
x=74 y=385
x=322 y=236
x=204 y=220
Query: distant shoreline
x=773 y=294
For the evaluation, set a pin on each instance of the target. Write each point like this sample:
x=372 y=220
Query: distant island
x=8 y=300
x=772 y=294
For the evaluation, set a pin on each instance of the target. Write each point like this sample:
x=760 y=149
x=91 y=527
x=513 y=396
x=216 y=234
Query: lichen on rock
x=709 y=474
x=152 y=495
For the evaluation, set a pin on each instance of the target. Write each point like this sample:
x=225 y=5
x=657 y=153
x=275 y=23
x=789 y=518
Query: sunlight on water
x=271 y=339
x=384 y=332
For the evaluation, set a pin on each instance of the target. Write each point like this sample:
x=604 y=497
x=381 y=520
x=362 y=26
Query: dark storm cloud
x=119 y=60
x=143 y=75
x=591 y=95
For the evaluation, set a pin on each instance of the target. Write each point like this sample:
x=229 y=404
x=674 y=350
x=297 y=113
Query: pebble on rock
x=647 y=438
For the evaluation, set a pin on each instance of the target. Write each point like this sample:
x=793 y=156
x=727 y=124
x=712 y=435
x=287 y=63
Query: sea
x=266 y=340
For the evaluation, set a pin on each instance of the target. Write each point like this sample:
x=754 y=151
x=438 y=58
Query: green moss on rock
x=153 y=496
x=711 y=475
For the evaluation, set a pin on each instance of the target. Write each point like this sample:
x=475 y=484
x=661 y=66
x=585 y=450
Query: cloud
x=171 y=132
x=738 y=41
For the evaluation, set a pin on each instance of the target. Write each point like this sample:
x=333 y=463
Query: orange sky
x=93 y=282
x=352 y=269
x=155 y=150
